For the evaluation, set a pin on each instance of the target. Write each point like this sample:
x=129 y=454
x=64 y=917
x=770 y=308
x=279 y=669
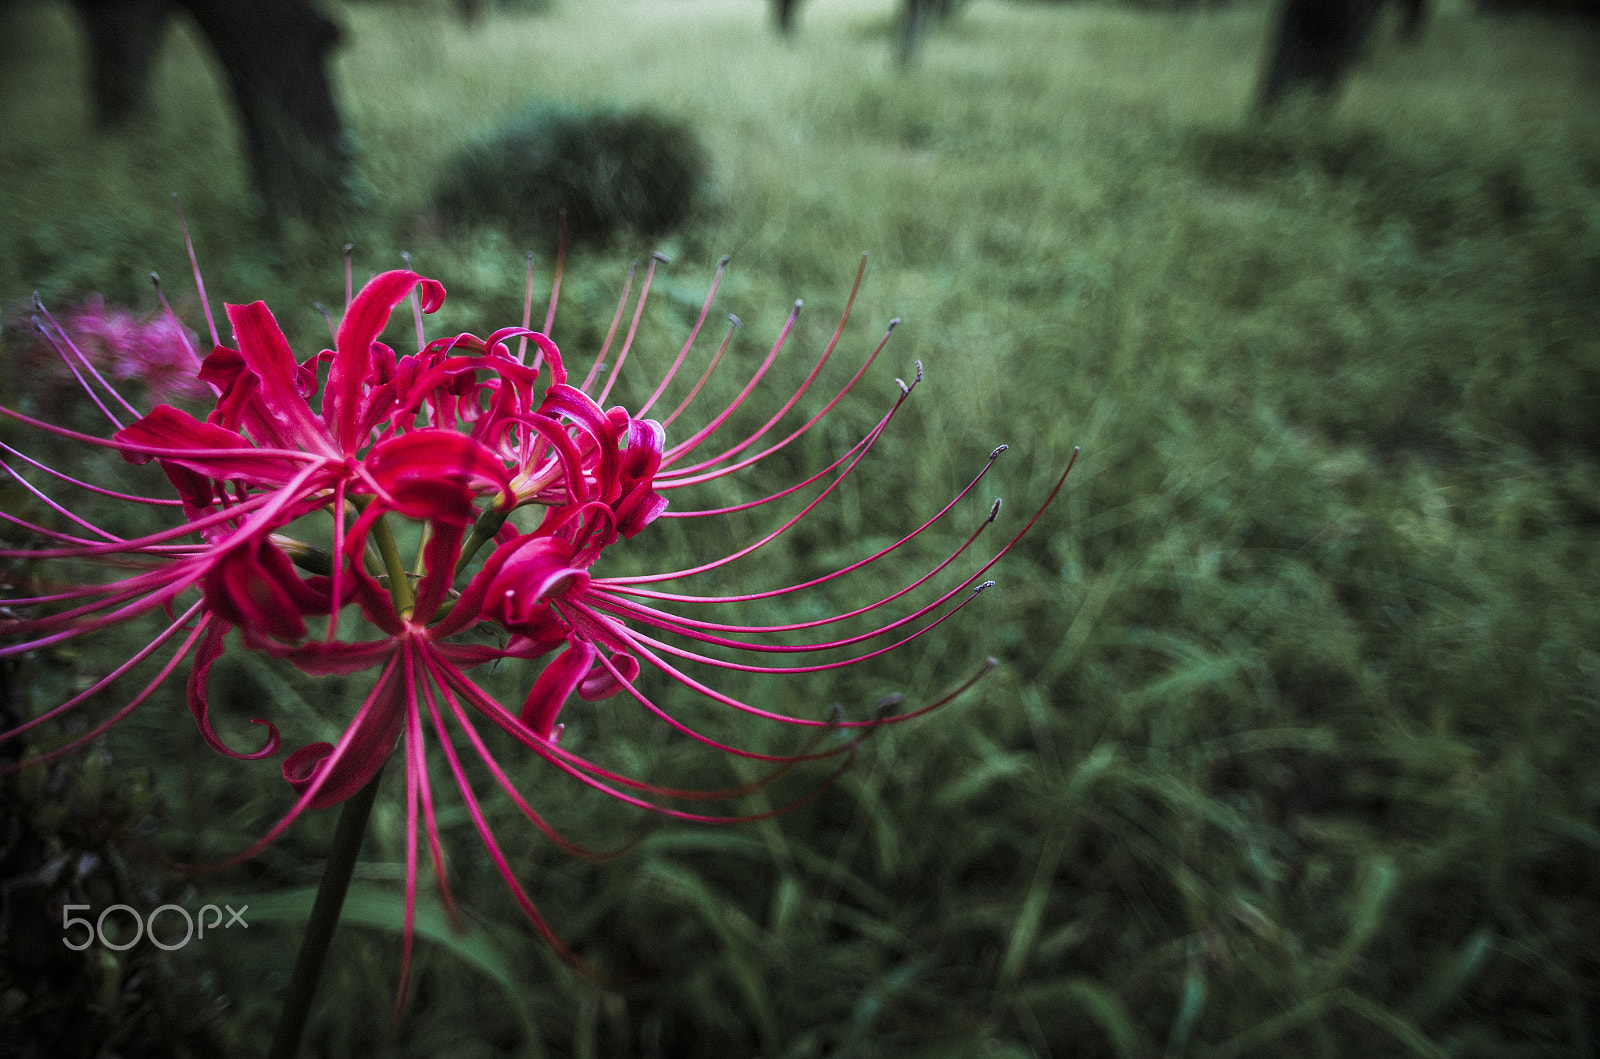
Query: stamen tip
x=994 y=513
x=798 y=303
x=885 y=705
x=349 y=248
x=904 y=389
x=894 y=323
x=979 y=588
x=725 y=259
x=835 y=715
x=155 y=280
x=528 y=256
x=998 y=450
x=659 y=256
x=735 y=321
x=405 y=255
x=919 y=373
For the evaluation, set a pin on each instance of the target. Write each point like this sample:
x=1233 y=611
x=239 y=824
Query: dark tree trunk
x=1413 y=13
x=275 y=54
x=124 y=39
x=914 y=20
x=914 y=15
x=785 y=10
x=1314 y=46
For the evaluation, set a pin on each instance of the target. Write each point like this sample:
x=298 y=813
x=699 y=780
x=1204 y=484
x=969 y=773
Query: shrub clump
x=611 y=171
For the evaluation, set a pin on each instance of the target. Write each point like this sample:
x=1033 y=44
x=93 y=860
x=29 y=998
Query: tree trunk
x=124 y=38
x=1315 y=44
x=913 y=13
x=785 y=9
x=275 y=53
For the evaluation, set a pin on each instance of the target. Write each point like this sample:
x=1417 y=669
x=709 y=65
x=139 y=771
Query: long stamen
x=416 y=304
x=177 y=327
x=531 y=911
x=76 y=520
x=330 y=764
x=110 y=722
x=110 y=678
x=608 y=585
x=527 y=312
x=605 y=347
x=89 y=486
x=686 y=476
x=680 y=450
x=691 y=656
x=633 y=328
x=676 y=623
x=694 y=333
x=62 y=342
x=566 y=845
x=555 y=284
x=194 y=264
x=816 y=370
x=855 y=461
x=734 y=324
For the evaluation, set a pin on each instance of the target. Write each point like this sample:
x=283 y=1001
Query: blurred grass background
x=1293 y=746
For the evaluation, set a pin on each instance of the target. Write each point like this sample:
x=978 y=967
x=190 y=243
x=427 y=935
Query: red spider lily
x=493 y=455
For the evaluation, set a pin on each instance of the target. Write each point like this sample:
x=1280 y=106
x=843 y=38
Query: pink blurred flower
x=154 y=349
x=519 y=482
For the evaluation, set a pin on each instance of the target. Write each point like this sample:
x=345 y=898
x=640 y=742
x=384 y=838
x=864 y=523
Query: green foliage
x=610 y=171
x=1292 y=747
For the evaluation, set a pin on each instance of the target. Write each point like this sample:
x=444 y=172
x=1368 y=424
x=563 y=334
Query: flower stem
x=347 y=836
x=399 y=581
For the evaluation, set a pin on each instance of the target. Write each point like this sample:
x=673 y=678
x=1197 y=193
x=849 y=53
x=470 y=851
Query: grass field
x=1293 y=746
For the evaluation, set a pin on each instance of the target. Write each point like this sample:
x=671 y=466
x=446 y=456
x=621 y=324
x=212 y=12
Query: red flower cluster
x=471 y=440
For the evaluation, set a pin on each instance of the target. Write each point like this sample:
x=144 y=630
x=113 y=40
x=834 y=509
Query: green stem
x=405 y=601
x=347 y=836
x=483 y=531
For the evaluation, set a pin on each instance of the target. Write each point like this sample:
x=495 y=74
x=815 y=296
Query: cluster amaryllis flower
x=515 y=480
